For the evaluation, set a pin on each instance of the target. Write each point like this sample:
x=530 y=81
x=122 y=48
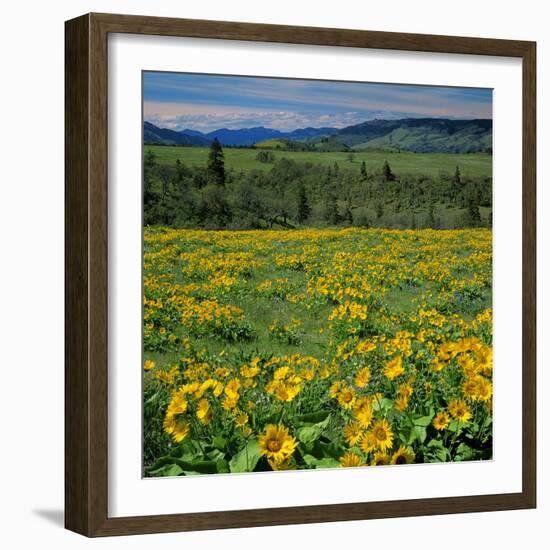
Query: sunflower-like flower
x=204 y=412
x=363 y=411
x=346 y=397
x=368 y=443
x=380 y=458
x=148 y=364
x=362 y=377
x=277 y=444
x=287 y=464
x=353 y=432
x=403 y=455
x=470 y=388
x=401 y=403
x=335 y=388
x=351 y=460
x=459 y=410
x=383 y=435
x=441 y=420
x=178 y=429
x=485 y=389
x=394 y=368
x=241 y=419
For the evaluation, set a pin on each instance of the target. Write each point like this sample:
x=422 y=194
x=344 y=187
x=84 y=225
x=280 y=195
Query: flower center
x=274 y=445
x=380 y=434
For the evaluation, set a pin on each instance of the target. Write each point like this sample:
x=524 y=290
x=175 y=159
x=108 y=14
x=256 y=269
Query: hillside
x=425 y=135
x=163 y=136
x=416 y=135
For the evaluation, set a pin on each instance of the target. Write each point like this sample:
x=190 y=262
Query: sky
x=208 y=102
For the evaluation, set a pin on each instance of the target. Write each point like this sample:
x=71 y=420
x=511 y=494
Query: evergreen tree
x=215 y=167
x=379 y=209
x=363 y=171
x=304 y=210
x=456 y=177
x=473 y=216
x=347 y=216
x=387 y=173
x=150 y=159
x=332 y=217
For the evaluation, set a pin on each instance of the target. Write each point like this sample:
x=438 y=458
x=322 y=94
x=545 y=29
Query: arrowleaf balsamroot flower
x=277 y=444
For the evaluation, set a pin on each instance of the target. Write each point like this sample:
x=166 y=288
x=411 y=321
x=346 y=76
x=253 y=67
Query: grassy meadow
x=432 y=164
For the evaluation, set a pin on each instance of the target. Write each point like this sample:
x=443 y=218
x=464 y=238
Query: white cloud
x=206 y=119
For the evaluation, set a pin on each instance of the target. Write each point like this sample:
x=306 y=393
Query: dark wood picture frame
x=86 y=285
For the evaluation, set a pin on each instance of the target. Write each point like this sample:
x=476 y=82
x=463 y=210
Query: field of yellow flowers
x=315 y=348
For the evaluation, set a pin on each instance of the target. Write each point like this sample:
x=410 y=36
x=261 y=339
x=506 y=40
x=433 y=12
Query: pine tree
x=456 y=177
x=347 y=215
x=304 y=210
x=332 y=216
x=473 y=215
x=215 y=167
x=387 y=173
x=363 y=170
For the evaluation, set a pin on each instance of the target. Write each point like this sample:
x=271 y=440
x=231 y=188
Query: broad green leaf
x=246 y=459
x=464 y=452
x=199 y=466
x=455 y=426
x=215 y=454
x=312 y=418
x=423 y=420
x=383 y=404
x=222 y=466
x=219 y=442
x=327 y=450
x=327 y=462
x=420 y=433
x=309 y=434
x=168 y=470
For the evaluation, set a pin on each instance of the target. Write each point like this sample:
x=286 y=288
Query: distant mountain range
x=420 y=135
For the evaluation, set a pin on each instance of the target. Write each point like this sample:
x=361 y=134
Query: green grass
x=401 y=163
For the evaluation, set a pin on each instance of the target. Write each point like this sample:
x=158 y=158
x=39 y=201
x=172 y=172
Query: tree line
x=292 y=194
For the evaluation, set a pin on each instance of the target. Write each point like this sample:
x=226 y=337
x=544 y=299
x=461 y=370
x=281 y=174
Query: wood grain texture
x=86 y=257
x=77 y=382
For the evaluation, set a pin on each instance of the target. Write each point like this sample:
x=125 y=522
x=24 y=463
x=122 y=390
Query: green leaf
x=200 y=466
x=383 y=404
x=152 y=399
x=455 y=426
x=463 y=452
x=327 y=462
x=219 y=442
x=311 y=418
x=246 y=459
x=423 y=420
x=222 y=466
x=168 y=470
x=309 y=434
x=419 y=433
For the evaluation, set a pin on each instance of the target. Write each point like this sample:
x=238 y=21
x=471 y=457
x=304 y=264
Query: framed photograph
x=300 y=275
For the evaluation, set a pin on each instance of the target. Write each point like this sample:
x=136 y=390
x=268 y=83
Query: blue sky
x=208 y=102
